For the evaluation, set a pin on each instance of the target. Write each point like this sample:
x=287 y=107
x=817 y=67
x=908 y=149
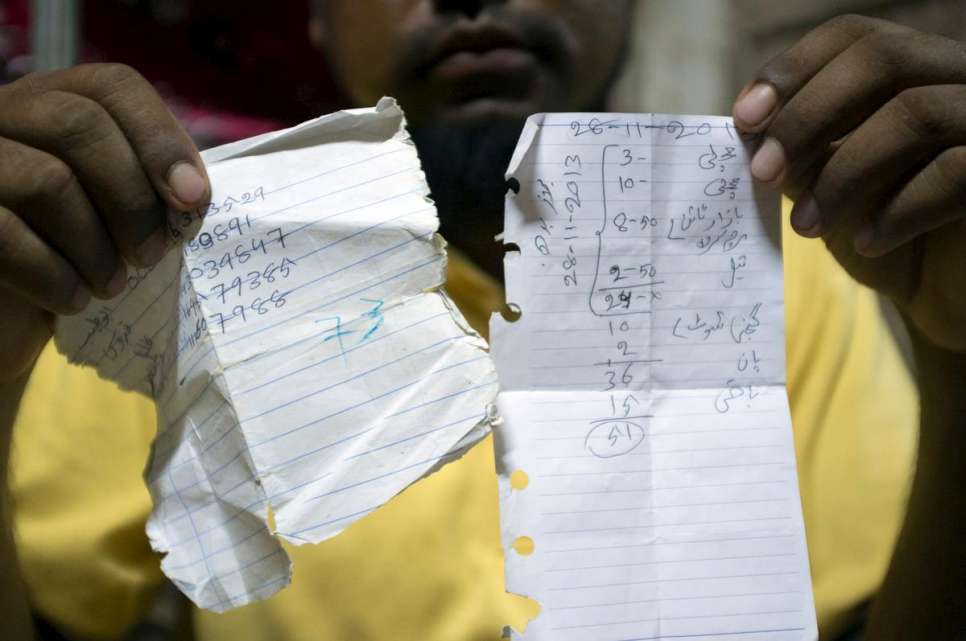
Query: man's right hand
x=91 y=160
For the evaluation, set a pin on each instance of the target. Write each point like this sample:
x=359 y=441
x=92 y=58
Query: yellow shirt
x=428 y=565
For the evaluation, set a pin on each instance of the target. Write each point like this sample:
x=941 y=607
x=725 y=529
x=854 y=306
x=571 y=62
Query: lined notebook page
x=648 y=484
x=301 y=355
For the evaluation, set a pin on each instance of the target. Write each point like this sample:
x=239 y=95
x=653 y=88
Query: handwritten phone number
x=254 y=279
x=212 y=268
x=257 y=307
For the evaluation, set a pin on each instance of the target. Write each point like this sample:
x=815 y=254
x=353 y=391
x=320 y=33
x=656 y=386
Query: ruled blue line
x=209 y=474
x=443 y=398
x=231 y=546
x=332 y=171
x=117 y=305
x=240 y=511
x=474 y=417
x=134 y=355
x=376 y=478
x=323 y=306
x=279 y=435
x=170 y=424
x=301 y=340
x=327 y=446
x=320 y=220
x=370 y=480
x=249 y=507
x=339 y=191
x=275 y=408
x=364 y=259
x=361 y=231
x=312 y=223
x=477 y=417
x=231 y=600
x=191 y=368
x=282 y=348
x=712 y=634
x=337 y=356
x=331 y=521
x=201 y=544
x=123 y=298
x=143 y=312
x=434 y=259
x=206 y=556
x=251 y=563
x=213 y=473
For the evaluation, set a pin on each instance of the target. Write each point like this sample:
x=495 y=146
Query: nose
x=470 y=8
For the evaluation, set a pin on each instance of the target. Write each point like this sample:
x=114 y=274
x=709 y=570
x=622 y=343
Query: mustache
x=544 y=38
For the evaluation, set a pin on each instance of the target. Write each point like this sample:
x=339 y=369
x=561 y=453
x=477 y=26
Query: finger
x=785 y=74
x=169 y=157
x=853 y=86
x=934 y=198
x=45 y=194
x=31 y=269
x=886 y=151
x=79 y=131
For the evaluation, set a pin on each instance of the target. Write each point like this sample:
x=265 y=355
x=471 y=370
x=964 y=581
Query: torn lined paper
x=305 y=364
x=647 y=473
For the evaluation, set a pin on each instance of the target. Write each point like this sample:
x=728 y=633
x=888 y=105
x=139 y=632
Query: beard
x=465 y=165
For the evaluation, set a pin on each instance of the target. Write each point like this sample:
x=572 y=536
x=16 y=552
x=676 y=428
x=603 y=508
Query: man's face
x=469 y=61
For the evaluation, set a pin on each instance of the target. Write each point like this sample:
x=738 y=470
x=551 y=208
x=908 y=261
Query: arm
x=92 y=160
x=924 y=593
x=864 y=125
x=13 y=599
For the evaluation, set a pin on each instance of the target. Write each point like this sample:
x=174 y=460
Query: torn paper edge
x=518 y=580
x=264 y=144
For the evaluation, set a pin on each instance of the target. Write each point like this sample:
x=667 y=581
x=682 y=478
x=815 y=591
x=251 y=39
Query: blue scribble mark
x=337 y=332
x=375 y=314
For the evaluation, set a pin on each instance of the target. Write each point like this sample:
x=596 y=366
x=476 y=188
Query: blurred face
x=470 y=61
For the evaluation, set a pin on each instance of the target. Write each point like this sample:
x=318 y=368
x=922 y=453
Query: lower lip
x=495 y=61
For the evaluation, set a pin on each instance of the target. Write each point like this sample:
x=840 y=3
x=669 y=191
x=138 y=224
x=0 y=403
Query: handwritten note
x=648 y=483
x=305 y=364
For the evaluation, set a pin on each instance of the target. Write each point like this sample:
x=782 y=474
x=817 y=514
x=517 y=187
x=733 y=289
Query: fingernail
x=769 y=161
x=187 y=183
x=82 y=296
x=152 y=250
x=756 y=105
x=806 y=218
x=118 y=281
x=863 y=240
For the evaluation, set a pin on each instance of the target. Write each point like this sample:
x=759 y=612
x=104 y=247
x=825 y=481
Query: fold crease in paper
x=643 y=387
x=304 y=360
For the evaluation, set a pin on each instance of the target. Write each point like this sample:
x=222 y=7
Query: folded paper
x=647 y=473
x=305 y=364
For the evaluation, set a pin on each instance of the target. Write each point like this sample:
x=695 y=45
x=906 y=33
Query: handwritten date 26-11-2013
x=633 y=216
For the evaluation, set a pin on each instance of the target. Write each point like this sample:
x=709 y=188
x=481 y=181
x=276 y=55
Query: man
x=862 y=121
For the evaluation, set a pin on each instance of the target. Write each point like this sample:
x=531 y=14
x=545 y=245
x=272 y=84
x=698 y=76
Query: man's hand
x=864 y=125
x=91 y=160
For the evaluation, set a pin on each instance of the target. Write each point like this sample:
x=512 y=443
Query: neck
x=464 y=166
x=473 y=232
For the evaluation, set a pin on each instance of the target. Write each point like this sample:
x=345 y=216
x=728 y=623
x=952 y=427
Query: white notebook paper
x=305 y=364
x=647 y=473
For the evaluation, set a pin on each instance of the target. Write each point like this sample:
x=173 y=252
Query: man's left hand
x=864 y=125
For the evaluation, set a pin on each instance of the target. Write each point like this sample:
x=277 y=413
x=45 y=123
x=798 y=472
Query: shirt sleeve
x=79 y=501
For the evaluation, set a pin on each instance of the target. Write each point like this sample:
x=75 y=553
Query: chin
x=490 y=108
